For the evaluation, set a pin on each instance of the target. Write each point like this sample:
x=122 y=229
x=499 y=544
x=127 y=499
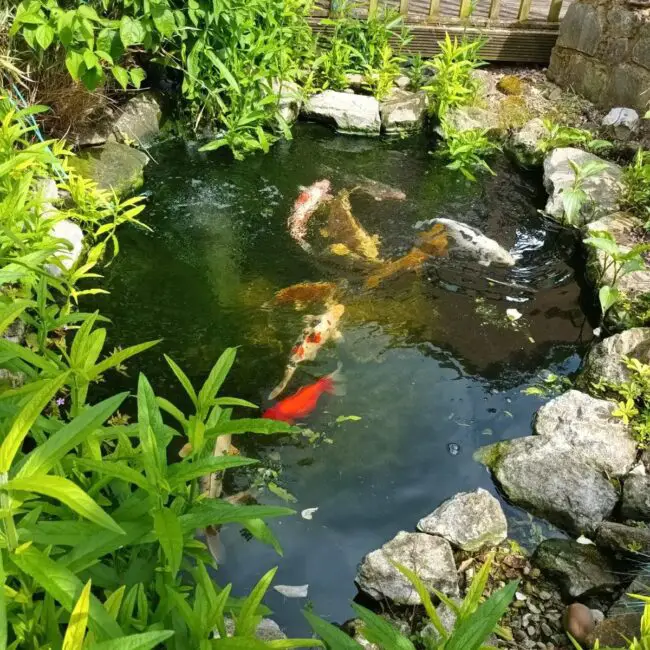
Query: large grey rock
x=620 y=537
x=139 y=120
x=470 y=118
x=469 y=520
x=581 y=29
x=545 y=475
x=580 y=570
x=601 y=188
x=635 y=503
x=621 y=123
x=430 y=557
x=114 y=166
x=349 y=113
x=403 y=111
x=524 y=143
x=605 y=360
x=586 y=424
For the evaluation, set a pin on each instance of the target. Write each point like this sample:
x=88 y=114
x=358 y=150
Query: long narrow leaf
x=183 y=378
x=335 y=638
x=248 y=618
x=378 y=630
x=180 y=473
x=11 y=312
x=217 y=376
x=170 y=535
x=64 y=490
x=76 y=630
x=143 y=641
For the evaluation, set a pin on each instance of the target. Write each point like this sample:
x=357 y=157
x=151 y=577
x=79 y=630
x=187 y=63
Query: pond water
x=434 y=368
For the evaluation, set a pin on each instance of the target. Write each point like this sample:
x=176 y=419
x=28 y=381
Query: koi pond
x=434 y=358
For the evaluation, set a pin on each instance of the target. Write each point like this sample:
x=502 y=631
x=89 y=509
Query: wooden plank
x=465 y=9
x=495 y=9
x=404 y=7
x=554 y=11
x=524 y=10
x=434 y=10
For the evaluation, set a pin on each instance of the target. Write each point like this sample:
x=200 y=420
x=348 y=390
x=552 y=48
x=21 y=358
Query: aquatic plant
x=467 y=149
x=635 y=190
x=475 y=619
x=570 y=136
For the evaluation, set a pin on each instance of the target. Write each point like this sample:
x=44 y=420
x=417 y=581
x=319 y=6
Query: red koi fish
x=305 y=205
x=304 y=400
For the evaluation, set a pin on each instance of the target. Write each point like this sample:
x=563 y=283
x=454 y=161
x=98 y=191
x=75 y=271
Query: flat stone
x=114 y=166
x=349 y=113
x=524 y=144
x=469 y=520
x=605 y=360
x=619 y=537
x=635 y=503
x=403 y=112
x=402 y=82
x=601 y=188
x=356 y=81
x=622 y=22
x=545 y=475
x=470 y=118
x=579 y=570
x=641 y=51
x=430 y=557
x=627 y=86
x=581 y=29
x=139 y=120
x=622 y=123
x=582 y=73
x=587 y=425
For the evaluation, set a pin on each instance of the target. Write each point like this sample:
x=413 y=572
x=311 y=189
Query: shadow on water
x=434 y=367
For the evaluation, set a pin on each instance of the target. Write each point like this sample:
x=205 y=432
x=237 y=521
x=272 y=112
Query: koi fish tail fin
x=215 y=545
x=335 y=383
x=283 y=384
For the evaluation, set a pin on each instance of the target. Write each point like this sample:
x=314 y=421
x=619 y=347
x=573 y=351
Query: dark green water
x=434 y=369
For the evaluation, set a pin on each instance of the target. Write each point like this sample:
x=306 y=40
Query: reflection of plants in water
x=549 y=386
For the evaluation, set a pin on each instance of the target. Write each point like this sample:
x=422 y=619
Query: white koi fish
x=304 y=206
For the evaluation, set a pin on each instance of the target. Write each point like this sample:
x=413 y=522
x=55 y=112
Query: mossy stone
x=114 y=166
x=510 y=85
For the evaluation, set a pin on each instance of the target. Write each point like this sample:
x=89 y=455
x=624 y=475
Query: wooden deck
x=518 y=31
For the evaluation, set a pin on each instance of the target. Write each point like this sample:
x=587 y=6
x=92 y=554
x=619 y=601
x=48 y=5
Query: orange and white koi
x=304 y=206
x=319 y=331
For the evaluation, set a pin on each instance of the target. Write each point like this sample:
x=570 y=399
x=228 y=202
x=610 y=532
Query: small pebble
x=546 y=630
x=519 y=635
x=526 y=570
x=544 y=595
x=599 y=617
x=533 y=608
x=453 y=448
x=520 y=596
x=531 y=630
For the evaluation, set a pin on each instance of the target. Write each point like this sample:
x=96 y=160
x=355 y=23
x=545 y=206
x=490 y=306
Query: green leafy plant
x=559 y=135
x=416 y=71
x=575 y=200
x=476 y=619
x=467 y=150
x=635 y=191
x=454 y=84
x=613 y=262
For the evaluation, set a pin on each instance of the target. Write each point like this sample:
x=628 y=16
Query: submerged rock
x=139 y=120
x=601 y=188
x=469 y=521
x=586 y=424
x=634 y=286
x=430 y=557
x=349 y=113
x=635 y=503
x=579 y=570
x=619 y=537
x=469 y=243
x=605 y=361
x=403 y=112
x=621 y=123
x=545 y=475
x=113 y=166
x=524 y=144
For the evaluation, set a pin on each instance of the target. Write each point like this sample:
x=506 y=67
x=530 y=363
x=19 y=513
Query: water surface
x=434 y=368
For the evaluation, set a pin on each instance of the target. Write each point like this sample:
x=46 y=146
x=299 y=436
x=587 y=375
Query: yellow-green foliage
x=510 y=85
